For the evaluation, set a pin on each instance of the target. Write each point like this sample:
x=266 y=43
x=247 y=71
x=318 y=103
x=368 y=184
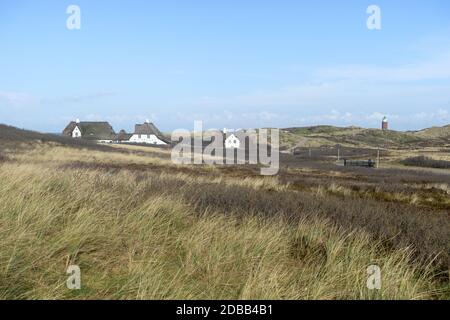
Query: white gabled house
x=147 y=133
x=96 y=131
x=76 y=133
x=232 y=142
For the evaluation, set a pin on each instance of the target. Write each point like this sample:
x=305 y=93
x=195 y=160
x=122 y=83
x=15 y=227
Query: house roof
x=149 y=128
x=237 y=134
x=242 y=136
x=91 y=130
x=231 y=136
x=123 y=136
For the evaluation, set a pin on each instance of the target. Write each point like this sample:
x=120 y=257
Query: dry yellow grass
x=132 y=244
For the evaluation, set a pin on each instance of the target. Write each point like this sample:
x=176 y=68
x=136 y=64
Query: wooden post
x=378 y=158
x=338 y=153
x=310 y=152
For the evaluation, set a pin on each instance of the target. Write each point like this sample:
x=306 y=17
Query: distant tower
x=384 y=124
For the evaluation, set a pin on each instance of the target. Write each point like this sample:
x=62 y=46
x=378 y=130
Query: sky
x=228 y=63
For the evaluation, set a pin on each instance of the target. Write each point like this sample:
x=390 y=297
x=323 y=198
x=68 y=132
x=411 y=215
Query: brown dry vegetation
x=142 y=227
x=422 y=161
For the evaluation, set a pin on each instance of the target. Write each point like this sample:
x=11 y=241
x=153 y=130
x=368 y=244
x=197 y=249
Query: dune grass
x=133 y=243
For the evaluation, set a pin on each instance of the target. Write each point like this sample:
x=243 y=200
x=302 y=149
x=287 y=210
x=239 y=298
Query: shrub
x=422 y=161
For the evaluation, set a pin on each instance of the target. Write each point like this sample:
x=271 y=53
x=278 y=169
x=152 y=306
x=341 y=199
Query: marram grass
x=132 y=244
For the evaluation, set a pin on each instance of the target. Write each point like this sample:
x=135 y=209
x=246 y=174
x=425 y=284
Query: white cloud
x=18 y=99
x=118 y=121
x=23 y=99
x=440 y=114
x=443 y=114
x=411 y=95
x=264 y=118
x=122 y=119
x=79 y=98
x=434 y=65
x=439 y=70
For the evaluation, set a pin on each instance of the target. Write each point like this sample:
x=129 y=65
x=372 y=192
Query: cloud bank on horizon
x=229 y=64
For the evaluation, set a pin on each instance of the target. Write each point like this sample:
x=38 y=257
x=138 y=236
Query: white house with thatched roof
x=103 y=132
x=232 y=142
x=90 y=130
x=147 y=133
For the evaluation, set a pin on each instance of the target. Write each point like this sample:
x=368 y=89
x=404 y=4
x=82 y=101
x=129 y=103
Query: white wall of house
x=76 y=133
x=232 y=142
x=146 y=138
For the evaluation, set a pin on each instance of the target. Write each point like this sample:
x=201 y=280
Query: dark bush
x=422 y=161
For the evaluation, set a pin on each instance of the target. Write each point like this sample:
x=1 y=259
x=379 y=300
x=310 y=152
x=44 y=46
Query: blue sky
x=229 y=63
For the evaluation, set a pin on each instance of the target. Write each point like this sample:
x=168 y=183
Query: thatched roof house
x=123 y=136
x=90 y=130
x=148 y=133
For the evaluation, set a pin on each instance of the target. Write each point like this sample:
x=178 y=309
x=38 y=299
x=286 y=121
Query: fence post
x=378 y=158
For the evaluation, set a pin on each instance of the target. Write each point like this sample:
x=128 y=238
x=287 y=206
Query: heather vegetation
x=141 y=227
x=422 y=161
